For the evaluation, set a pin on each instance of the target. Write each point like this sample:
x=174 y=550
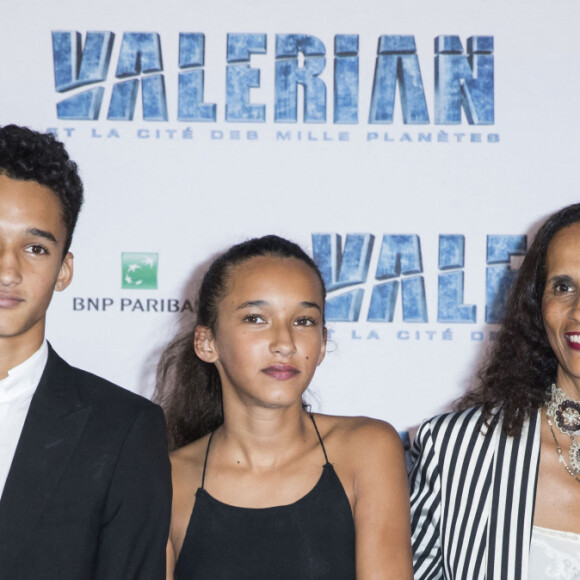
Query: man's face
x=32 y=237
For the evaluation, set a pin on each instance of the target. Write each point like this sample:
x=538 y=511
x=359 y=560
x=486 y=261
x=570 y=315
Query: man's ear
x=65 y=273
x=204 y=344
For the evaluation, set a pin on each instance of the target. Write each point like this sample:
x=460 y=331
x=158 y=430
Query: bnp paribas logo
x=139 y=270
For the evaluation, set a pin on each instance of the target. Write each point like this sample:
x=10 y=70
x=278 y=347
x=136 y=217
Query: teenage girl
x=262 y=488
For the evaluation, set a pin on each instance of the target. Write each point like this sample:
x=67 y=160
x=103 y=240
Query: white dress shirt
x=16 y=392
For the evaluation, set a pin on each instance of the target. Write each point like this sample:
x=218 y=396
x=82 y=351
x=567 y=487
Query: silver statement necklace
x=565 y=413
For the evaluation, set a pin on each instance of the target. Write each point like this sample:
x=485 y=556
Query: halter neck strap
x=205 y=460
x=319 y=437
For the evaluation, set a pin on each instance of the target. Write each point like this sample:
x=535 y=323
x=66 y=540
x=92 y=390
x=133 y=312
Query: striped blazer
x=472 y=498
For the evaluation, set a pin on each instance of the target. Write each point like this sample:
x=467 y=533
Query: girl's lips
x=283 y=372
x=573 y=340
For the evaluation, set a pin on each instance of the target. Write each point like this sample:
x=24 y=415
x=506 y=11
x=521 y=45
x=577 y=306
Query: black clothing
x=88 y=495
x=312 y=538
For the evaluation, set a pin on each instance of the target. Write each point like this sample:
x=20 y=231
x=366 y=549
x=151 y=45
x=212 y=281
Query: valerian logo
x=464 y=79
x=399 y=265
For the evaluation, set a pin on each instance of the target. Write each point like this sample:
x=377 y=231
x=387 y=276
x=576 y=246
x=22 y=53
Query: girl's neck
x=264 y=438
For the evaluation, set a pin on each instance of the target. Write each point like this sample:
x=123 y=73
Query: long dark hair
x=521 y=365
x=189 y=389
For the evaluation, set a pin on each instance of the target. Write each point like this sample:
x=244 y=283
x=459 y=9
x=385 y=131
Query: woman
x=495 y=489
x=263 y=488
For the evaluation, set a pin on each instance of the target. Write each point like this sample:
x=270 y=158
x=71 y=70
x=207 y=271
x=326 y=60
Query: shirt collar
x=23 y=379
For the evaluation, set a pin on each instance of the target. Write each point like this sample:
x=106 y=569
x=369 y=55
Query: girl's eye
x=253 y=319
x=305 y=322
x=36 y=249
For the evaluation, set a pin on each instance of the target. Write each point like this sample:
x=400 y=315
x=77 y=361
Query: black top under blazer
x=88 y=495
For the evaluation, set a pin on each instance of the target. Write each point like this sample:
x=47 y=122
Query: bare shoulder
x=187 y=463
x=368 y=458
x=192 y=452
x=186 y=473
x=359 y=434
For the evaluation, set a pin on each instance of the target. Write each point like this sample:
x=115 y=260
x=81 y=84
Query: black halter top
x=312 y=538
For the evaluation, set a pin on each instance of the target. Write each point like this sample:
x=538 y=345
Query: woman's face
x=561 y=305
x=269 y=336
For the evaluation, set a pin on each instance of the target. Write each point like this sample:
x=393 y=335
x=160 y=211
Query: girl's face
x=269 y=335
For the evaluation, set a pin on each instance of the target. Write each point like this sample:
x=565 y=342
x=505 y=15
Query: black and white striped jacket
x=472 y=499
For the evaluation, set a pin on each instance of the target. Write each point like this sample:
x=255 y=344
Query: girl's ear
x=323 y=346
x=204 y=344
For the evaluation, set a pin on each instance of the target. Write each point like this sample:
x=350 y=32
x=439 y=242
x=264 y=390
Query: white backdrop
x=178 y=191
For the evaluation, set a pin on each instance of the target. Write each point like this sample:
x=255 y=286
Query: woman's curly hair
x=516 y=376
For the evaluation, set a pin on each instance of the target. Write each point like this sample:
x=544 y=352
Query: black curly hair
x=31 y=156
x=515 y=379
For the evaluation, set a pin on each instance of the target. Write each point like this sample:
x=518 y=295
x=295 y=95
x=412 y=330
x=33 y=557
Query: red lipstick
x=573 y=340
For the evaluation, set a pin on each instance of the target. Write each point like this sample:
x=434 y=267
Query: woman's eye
x=562 y=288
x=305 y=322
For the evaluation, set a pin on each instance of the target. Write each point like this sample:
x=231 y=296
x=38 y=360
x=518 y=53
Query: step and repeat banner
x=412 y=148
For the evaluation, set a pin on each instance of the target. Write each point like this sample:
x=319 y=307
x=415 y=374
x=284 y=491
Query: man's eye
x=36 y=249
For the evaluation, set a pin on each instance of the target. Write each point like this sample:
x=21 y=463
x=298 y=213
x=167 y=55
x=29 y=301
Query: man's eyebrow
x=42 y=234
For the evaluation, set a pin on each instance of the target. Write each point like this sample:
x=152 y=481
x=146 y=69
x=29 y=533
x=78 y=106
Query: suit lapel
x=52 y=428
x=513 y=499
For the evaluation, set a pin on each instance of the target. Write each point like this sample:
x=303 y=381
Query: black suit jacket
x=88 y=495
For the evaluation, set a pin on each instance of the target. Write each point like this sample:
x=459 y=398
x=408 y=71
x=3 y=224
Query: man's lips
x=281 y=372
x=9 y=300
x=573 y=340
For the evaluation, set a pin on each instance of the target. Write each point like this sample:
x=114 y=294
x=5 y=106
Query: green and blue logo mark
x=139 y=270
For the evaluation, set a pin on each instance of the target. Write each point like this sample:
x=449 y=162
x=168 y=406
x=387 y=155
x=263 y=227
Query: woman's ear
x=204 y=344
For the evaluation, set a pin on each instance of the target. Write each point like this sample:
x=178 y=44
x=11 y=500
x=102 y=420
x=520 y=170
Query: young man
x=84 y=474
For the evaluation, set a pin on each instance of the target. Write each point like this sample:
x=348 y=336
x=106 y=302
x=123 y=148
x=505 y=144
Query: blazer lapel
x=52 y=428
x=513 y=499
